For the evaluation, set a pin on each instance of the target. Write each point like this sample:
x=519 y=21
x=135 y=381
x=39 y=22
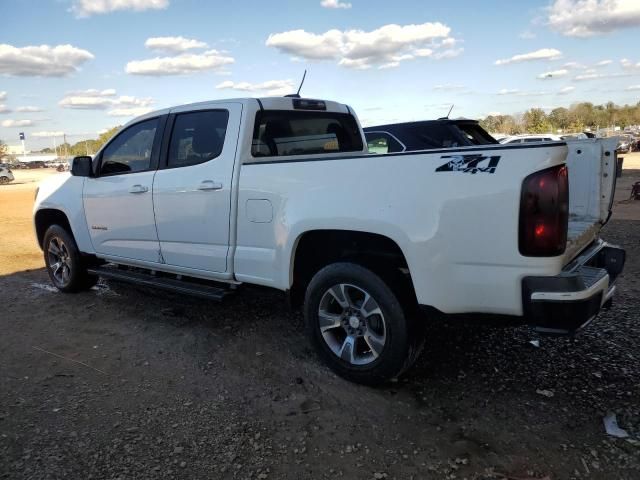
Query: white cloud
x=93 y=92
x=553 y=74
x=604 y=63
x=520 y=93
x=590 y=75
x=633 y=87
x=173 y=45
x=527 y=35
x=85 y=102
x=85 y=8
x=566 y=90
x=386 y=46
x=270 y=87
x=129 y=111
x=93 y=99
x=542 y=54
x=586 y=18
x=629 y=65
x=180 y=65
x=46 y=134
x=449 y=86
x=334 y=4
x=28 y=109
x=42 y=60
x=574 y=65
x=4 y=109
x=3 y=95
x=17 y=123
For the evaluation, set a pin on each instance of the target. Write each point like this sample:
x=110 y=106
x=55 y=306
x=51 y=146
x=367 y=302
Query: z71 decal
x=469 y=163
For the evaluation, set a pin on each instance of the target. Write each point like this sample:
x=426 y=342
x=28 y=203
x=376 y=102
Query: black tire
x=4 y=180
x=403 y=335
x=76 y=279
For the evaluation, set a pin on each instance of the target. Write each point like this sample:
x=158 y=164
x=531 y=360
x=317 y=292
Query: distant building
x=15 y=150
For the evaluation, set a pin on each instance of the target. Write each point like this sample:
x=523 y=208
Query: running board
x=149 y=280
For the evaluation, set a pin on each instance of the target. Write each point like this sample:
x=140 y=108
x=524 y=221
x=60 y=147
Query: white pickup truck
x=282 y=192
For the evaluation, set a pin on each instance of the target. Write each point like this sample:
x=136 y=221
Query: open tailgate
x=592 y=180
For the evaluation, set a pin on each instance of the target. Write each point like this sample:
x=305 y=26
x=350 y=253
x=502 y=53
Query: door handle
x=137 y=188
x=210 y=185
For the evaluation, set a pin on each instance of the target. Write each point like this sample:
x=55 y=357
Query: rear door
x=117 y=201
x=192 y=188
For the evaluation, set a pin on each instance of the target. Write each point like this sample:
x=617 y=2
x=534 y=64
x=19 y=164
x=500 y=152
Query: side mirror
x=81 y=166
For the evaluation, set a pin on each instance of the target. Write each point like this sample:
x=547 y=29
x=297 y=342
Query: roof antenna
x=297 y=94
x=447 y=117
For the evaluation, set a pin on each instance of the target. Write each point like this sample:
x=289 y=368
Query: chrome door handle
x=137 y=188
x=210 y=185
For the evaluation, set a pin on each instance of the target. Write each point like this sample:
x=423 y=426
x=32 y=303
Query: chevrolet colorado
x=282 y=192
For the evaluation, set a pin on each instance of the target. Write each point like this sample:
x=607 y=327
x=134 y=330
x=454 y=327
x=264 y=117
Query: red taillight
x=544 y=213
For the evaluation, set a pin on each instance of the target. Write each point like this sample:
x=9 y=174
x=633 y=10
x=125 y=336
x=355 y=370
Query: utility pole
x=55 y=146
x=66 y=152
x=86 y=147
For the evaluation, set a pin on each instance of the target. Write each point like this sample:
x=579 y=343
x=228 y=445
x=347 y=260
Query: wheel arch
x=315 y=249
x=46 y=217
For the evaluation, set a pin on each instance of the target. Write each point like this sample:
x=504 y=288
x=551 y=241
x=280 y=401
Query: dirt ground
x=123 y=382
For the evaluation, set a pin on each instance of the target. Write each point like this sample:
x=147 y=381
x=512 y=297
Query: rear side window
x=381 y=142
x=284 y=133
x=476 y=134
x=434 y=136
x=197 y=137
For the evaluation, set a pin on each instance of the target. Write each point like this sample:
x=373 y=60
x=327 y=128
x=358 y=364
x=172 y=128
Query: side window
x=130 y=151
x=380 y=142
x=197 y=137
x=532 y=140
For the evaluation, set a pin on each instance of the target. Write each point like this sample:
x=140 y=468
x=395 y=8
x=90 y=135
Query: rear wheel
x=65 y=265
x=358 y=325
x=4 y=180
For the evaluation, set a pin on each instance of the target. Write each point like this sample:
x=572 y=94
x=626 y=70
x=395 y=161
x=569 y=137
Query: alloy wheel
x=352 y=324
x=59 y=261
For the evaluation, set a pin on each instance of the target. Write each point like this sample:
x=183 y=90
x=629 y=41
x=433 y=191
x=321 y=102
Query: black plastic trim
x=260 y=103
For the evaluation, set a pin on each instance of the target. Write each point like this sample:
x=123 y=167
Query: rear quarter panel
x=457 y=229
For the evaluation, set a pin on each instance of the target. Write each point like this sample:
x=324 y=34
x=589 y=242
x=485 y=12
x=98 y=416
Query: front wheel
x=64 y=262
x=358 y=325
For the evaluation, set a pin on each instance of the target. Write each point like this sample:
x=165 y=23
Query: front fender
x=63 y=192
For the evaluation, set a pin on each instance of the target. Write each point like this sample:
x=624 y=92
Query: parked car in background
x=36 y=164
x=6 y=176
x=626 y=144
x=426 y=135
x=517 y=139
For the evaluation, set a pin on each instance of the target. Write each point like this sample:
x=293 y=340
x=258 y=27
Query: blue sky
x=88 y=65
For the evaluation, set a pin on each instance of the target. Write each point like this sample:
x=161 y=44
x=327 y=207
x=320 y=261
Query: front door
x=118 y=200
x=192 y=188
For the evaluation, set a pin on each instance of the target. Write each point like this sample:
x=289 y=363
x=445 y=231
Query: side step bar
x=208 y=292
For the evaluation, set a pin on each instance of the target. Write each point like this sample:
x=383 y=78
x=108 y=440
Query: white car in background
x=6 y=176
x=517 y=139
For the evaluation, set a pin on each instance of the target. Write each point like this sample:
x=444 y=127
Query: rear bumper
x=569 y=301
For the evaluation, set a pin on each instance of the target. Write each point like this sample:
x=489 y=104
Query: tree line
x=83 y=147
x=577 y=118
